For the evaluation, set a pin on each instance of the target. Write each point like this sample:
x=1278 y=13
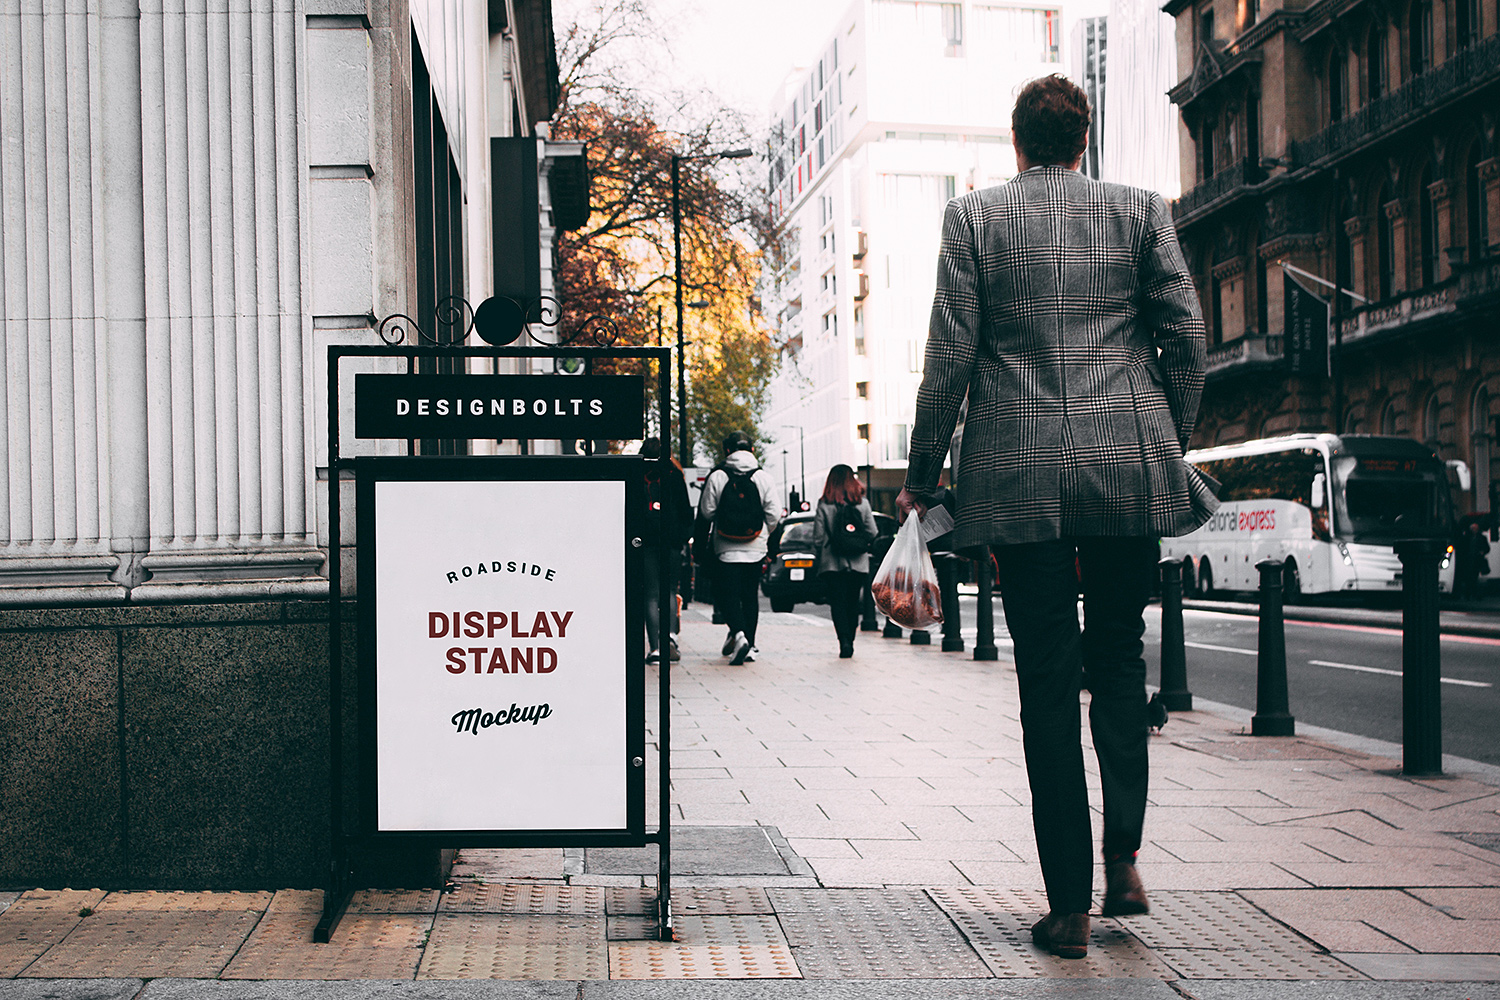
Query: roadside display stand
x=501 y=694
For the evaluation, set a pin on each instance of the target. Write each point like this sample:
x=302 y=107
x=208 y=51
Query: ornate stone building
x=1353 y=140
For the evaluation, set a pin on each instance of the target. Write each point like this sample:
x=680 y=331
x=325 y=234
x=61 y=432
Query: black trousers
x=1040 y=585
x=740 y=585
x=843 y=591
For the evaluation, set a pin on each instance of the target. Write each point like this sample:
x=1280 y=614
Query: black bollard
x=1175 y=696
x=947 y=571
x=984 y=618
x=891 y=630
x=1421 y=658
x=1272 y=717
x=921 y=637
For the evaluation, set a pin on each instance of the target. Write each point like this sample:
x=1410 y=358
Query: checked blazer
x=1065 y=313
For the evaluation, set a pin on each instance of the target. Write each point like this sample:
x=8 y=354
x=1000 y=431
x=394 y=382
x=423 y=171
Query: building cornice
x=1210 y=72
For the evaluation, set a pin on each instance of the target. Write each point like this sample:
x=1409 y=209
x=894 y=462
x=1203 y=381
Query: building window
x=1429 y=224
x=863 y=430
x=1385 y=233
x=1337 y=85
x=914 y=355
x=1262 y=308
x=1388 y=418
x=898 y=445
x=1466 y=22
x=1375 y=63
x=1419 y=36
x=1206 y=150
x=953 y=29
x=1476 y=207
x=1206 y=26
x=1217 y=333
x=831 y=323
x=1431 y=425
x=1342 y=274
x=1352 y=422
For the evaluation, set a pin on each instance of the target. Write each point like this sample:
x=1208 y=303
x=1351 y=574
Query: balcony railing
x=1479 y=283
x=1241 y=173
x=1469 y=69
x=1412 y=307
x=1252 y=350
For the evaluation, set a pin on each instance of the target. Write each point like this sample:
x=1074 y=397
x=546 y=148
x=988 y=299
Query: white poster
x=500 y=656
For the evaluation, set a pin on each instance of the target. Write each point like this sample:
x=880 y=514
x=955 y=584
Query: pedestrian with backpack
x=739 y=500
x=843 y=535
x=844 y=532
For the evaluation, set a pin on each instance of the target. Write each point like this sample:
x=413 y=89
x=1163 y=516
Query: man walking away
x=739 y=500
x=1064 y=311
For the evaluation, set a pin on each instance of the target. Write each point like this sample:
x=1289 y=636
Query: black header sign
x=1306 y=329
x=499 y=406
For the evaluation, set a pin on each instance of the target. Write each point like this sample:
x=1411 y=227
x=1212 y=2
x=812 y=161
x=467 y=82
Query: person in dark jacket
x=1066 y=315
x=843 y=573
x=664 y=478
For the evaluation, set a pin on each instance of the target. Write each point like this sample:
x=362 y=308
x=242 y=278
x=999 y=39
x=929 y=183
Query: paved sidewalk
x=861 y=828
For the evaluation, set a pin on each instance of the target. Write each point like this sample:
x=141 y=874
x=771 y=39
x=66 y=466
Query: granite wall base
x=178 y=747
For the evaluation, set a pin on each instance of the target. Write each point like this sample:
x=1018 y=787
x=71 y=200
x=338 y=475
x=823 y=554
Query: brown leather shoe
x=1065 y=935
x=1124 y=895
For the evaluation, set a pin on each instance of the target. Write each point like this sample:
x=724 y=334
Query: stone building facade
x=1353 y=140
x=196 y=200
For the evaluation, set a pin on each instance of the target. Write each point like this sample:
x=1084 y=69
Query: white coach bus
x=1329 y=505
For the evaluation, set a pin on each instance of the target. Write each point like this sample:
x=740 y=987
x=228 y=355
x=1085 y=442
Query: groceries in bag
x=906 y=585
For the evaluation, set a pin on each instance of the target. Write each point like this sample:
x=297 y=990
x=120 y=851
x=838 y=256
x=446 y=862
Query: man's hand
x=907 y=502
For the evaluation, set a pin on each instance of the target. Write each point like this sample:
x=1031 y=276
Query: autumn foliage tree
x=620 y=265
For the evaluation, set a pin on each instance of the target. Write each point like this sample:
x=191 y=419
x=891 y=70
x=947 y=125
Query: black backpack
x=850 y=537
x=739 y=516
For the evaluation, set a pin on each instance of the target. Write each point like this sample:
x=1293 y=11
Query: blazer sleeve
x=708 y=503
x=820 y=529
x=1170 y=308
x=768 y=505
x=869 y=512
x=952 y=339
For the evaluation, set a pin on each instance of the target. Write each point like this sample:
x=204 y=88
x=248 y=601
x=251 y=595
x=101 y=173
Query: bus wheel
x=1291 y=584
x=1206 y=580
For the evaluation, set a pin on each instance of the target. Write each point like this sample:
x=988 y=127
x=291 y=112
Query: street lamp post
x=801 y=456
x=677 y=159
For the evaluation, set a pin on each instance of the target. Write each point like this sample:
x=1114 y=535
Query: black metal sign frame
x=366 y=472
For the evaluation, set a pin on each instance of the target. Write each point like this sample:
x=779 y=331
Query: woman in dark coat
x=843 y=570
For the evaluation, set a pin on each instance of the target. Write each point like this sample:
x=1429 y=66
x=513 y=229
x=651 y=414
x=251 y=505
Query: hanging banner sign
x=499 y=406
x=496 y=620
x=1306 y=329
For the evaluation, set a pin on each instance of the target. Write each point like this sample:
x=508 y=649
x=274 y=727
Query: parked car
x=789 y=575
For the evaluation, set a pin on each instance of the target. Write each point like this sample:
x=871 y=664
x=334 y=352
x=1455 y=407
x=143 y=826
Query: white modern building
x=908 y=106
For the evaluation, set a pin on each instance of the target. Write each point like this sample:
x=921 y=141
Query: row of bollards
x=1421 y=654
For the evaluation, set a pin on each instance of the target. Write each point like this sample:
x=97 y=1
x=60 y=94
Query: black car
x=789 y=575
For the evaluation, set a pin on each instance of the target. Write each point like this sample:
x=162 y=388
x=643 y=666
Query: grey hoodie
x=755 y=549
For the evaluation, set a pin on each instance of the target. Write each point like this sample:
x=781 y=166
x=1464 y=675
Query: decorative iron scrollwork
x=499 y=321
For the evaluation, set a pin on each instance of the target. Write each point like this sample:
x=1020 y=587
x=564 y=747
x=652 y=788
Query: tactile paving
x=364 y=946
x=1220 y=935
x=181 y=935
x=480 y=897
x=729 y=946
x=513 y=946
x=36 y=921
x=997 y=922
x=873 y=934
x=693 y=901
x=394 y=901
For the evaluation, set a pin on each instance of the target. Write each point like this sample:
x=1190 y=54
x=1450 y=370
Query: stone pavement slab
x=1245 y=990
x=70 y=989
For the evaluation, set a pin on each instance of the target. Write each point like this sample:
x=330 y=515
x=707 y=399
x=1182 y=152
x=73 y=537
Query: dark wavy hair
x=1051 y=120
x=843 y=486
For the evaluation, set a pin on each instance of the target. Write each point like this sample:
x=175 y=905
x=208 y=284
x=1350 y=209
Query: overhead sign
x=1305 y=329
x=499 y=406
x=498 y=615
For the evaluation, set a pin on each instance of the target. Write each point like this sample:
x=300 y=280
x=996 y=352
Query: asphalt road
x=1344 y=677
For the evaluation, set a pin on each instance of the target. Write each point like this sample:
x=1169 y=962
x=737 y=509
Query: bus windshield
x=1386 y=495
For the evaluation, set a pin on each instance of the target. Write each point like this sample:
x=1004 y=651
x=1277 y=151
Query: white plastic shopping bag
x=906 y=585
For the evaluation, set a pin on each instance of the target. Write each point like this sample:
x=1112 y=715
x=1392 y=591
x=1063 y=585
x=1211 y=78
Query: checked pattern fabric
x=1065 y=313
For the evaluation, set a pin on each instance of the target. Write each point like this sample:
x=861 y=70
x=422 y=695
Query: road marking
x=820 y=622
x=1222 y=649
x=1394 y=673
